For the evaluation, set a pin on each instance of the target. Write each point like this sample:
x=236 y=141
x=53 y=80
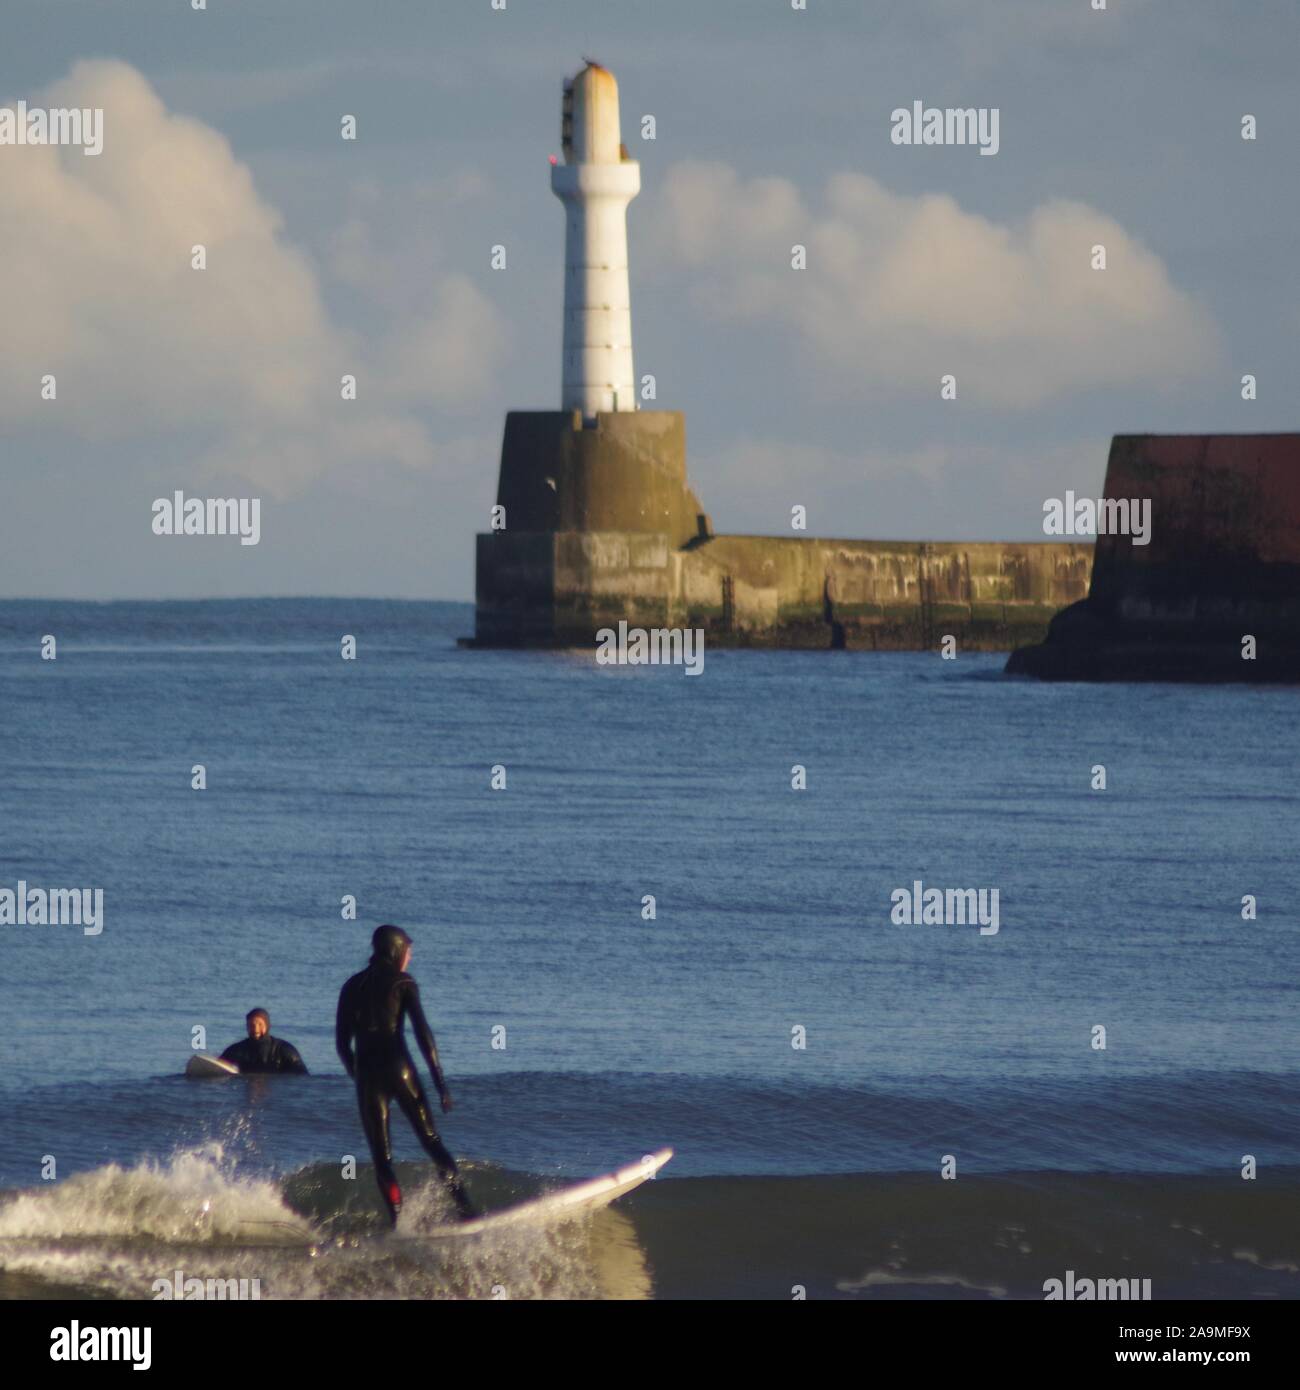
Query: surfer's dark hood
x=389 y=943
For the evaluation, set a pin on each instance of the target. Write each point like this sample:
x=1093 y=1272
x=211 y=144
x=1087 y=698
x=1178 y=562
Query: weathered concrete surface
x=886 y=595
x=560 y=589
x=624 y=472
x=1223 y=563
x=601 y=526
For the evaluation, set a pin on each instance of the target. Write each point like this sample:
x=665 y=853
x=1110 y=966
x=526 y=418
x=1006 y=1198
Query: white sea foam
x=117 y=1230
x=193 y=1197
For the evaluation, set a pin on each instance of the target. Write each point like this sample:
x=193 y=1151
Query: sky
x=818 y=387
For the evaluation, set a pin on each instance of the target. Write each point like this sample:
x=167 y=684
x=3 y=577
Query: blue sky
x=821 y=387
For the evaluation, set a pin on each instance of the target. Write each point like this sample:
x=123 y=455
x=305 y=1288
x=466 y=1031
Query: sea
x=649 y=909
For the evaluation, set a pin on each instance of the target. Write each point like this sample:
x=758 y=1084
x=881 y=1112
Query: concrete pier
x=558 y=589
x=600 y=524
x=595 y=521
x=1222 y=566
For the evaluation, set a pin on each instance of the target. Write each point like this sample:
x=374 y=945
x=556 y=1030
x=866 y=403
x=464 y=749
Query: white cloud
x=98 y=289
x=446 y=354
x=959 y=491
x=900 y=290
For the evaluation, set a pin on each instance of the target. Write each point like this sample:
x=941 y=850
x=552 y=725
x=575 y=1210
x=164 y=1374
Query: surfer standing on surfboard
x=373 y=1008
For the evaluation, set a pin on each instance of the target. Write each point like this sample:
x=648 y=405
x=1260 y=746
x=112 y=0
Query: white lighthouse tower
x=596 y=182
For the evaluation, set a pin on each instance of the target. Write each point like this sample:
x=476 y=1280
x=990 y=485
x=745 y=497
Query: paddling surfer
x=260 y=1053
x=373 y=1008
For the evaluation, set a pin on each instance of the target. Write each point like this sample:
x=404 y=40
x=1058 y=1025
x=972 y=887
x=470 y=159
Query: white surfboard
x=203 y=1065
x=563 y=1203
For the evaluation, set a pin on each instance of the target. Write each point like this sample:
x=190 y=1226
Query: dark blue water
x=371 y=778
x=1119 y=908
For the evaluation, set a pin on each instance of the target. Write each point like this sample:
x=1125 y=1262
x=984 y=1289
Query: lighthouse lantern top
x=589 y=129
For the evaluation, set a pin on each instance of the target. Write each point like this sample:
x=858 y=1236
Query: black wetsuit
x=265 y=1054
x=373 y=1007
